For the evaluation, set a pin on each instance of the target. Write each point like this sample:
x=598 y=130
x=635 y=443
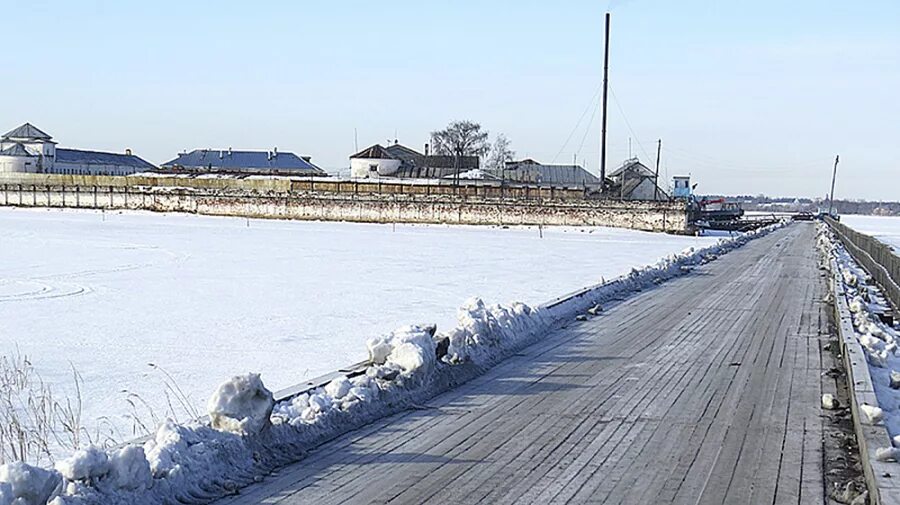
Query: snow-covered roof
x=474 y=174
x=16 y=149
x=227 y=159
x=101 y=158
x=27 y=131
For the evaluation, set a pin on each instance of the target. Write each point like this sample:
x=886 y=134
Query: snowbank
x=22 y=484
x=247 y=436
x=878 y=340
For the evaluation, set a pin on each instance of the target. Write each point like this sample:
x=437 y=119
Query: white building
x=27 y=149
x=399 y=161
x=374 y=162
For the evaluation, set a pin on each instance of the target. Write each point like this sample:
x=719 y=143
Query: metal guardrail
x=876 y=257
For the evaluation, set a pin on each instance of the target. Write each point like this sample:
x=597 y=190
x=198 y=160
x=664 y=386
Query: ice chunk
x=379 y=349
x=829 y=402
x=84 y=464
x=300 y=402
x=29 y=485
x=887 y=454
x=241 y=405
x=129 y=468
x=413 y=347
x=895 y=379
x=338 y=388
x=872 y=413
x=6 y=494
x=168 y=446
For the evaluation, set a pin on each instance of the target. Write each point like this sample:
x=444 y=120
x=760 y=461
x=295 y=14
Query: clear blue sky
x=748 y=97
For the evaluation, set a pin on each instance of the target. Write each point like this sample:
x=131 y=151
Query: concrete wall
x=382 y=208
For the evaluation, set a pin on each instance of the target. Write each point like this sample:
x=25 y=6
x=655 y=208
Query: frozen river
x=208 y=297
x=884 y=228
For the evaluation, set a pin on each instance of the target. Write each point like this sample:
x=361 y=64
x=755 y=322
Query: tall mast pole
x=605 y=87
x=833 y=177
x=656 y=177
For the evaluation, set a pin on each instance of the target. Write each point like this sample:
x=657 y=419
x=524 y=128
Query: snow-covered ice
x=208 y=298
x=884 y=228
x=195 y=462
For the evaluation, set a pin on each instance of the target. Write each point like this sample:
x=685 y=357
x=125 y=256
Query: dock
x=705 y=390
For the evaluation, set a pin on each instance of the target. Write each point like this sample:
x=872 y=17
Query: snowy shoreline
x=195 y=463
x=205 y=298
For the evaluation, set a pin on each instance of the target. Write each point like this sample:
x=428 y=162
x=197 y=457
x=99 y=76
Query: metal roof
x=27 y=131
x=16 y=149
x=401 y=152
x=531 y=171
x=376 y=152
x=221 y=159
x=632 y=165
x=101 y=158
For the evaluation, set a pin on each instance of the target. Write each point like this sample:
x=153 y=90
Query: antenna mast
x=605 y=86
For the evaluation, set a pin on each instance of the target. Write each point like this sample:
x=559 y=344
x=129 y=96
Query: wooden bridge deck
x=704 y=390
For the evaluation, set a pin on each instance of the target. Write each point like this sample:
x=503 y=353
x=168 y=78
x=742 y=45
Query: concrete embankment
x=327 y=200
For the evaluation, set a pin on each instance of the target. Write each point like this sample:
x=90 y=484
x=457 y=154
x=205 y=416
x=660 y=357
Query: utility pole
x=605 y=86
x=833 y=177
x=656 y=177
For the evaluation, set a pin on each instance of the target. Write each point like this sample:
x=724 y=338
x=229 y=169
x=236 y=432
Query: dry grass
x=33 y=423
x=178 y=406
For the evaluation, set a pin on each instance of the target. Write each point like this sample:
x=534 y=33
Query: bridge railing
x=876 y=257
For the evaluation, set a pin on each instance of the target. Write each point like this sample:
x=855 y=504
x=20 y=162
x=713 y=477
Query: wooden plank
x=705 y=389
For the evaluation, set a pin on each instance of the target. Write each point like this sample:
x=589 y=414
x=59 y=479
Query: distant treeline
x=787 y=204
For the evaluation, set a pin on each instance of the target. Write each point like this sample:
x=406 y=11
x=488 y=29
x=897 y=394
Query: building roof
x=255 y=161
x=27 y=131
x=17 y=149
x=401 y=152
x=532 y=171
x=635 y=167
x=376 y=152
x=101 y=158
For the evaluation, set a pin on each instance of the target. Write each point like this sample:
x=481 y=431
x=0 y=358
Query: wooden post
x=833 y=177
x=603 y=120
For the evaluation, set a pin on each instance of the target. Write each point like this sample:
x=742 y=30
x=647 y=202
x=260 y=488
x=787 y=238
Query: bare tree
x=499 y=154
x=460 y=138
